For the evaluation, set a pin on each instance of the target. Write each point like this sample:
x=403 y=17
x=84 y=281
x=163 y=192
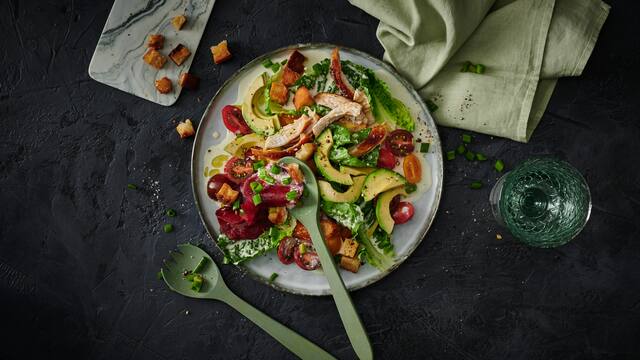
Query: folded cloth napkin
x=525 y=45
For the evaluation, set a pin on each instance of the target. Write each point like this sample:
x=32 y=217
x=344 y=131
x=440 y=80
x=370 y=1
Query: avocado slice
x=383 y=212
x=356 y=171
x=238 y=146
x=253 y=113
x=379 y=181
x=321 y=158
x=351 y=195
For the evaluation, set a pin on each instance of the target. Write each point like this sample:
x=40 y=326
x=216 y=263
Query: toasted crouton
x=221 y=52
x=349 y=248
x=185 y=129
x=289 y=77
x=154 y=58
x=178 y=22
x=305 y=152
x=164 y=85
x=179 y=54
x=156 y=41
x=286 y=119
x=296 y=62
x=302 y=98
x=227 y=195
x=279 y=93
x=349 y=263
x=278 y=215
x=188 y=81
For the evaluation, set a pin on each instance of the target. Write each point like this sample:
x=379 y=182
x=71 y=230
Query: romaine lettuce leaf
x=238 y=251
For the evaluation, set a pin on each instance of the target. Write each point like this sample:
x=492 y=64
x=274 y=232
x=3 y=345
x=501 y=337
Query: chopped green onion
x=196 y=283
x=302 y=248
x=461 y=149
x=275 y=67
x=470 y=155
x=170 y=212
x=291 y=195
x=286 y=181
x=499 y=165
x=451 y=155
x=258 y=164
x=272 y=277
x=480 y=157
x=283 y=62
x=167 y=228
x=431 y=106
x=410 y=188
x=480 y=69
x=275 y=169
x=267 y=63
x=236 y=204
x=256 y=187
x=200 y=265
x=262 y=174
x=159 y=275
x=424 y=147
x=476 y=185
x=466 y=138
x=465 y=66
x=132 y=186
x=257 y=199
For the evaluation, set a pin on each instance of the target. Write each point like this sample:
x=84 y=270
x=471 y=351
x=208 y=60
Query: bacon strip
x=338 y=77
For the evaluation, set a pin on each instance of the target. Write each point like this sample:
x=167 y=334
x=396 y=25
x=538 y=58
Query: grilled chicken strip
x=330 y=100
x=351 y=109
x=288 y=133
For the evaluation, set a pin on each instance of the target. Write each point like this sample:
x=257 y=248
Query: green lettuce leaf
x=237 y=251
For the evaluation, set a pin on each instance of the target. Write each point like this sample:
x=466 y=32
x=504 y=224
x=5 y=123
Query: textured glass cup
x=544 y=202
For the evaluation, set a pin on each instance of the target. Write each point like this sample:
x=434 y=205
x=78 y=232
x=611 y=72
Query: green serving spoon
x=188 y=257
x=307 y=212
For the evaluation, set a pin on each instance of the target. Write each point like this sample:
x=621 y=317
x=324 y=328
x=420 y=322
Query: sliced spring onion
x=167 y=228
x=236 y=204
x=272 y=277
x=196 y=283
x=256 y=187
x=170 y=212
x=499 y=165
x=132 y=186
x=461 y=149
x=431 y=106
x=291 y=195
x=476 y=185
x=410 y=188
x=470 y=155
x=451 y=155
x=466 y=138
x=302 y=248
x=275 y=67
x=257 y=199
x=267 y=63
x=159 y=275
x=480 y=69
x=283 y=62
x=262 y=174
x=200 y=265
x=424 y=147
x=286 y=181
x=480 y=157
x=258 y=164
x=465 y=66
x=275 y=169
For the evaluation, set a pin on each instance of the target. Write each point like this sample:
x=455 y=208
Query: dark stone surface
x=79 y=252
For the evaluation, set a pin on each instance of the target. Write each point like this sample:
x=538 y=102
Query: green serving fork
x=307 y=212
x=188 y=257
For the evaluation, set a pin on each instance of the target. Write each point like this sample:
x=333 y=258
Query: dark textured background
x=79 y=252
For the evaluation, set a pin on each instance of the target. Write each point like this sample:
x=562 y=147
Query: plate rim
x=414 y=93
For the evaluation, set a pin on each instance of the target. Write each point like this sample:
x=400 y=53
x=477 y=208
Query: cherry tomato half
x=286 y=250
x=233 y=120
x=301 y=232
x=400 y=142
x=412 y=169
x=307 y=261
x=238 y=169
x=386 y=159
x=403 y=212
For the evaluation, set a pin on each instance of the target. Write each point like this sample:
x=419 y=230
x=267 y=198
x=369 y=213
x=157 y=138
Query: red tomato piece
x=307 y=261
x=238 y=169
x=400 y=142
x=233 y=120
x=386 y=159
x=286 y=250
x=403 y=212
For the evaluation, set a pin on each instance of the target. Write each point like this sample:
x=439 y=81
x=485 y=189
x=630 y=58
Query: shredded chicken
x=288 y=133
x=351 y=109
x=330 y=100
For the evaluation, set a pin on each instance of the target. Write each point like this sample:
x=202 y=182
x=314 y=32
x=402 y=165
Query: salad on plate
x=345 y=123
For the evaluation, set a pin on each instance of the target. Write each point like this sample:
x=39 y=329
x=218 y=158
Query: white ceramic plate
x=211 y=137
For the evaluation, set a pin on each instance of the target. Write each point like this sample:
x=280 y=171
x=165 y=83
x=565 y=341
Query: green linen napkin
x=526 y=45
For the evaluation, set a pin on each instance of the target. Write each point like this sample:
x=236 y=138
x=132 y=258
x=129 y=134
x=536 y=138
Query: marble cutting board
x=117 y=60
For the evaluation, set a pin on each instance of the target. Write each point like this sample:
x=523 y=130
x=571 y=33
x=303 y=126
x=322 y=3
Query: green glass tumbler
x=543 y=202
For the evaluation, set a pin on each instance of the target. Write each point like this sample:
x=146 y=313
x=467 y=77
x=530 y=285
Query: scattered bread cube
x=278 y=215
x=178 y=22
x=306 y=151
x=179 y=54
x=156 y=41
x=220 y=52
x=154 y=58
x=164 y=85
x=349 y=248
x=302 y=98
x=227 y=195
x=349 y=263
x=289 y=77
x=185 y=129
x=296 y=62
x=188 y=81
x=279 y=93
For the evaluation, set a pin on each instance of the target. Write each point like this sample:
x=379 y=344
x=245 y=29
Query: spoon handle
x=350 y=319
x=293 y=341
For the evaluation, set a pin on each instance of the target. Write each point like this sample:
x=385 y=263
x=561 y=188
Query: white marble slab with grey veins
x=117 y=60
